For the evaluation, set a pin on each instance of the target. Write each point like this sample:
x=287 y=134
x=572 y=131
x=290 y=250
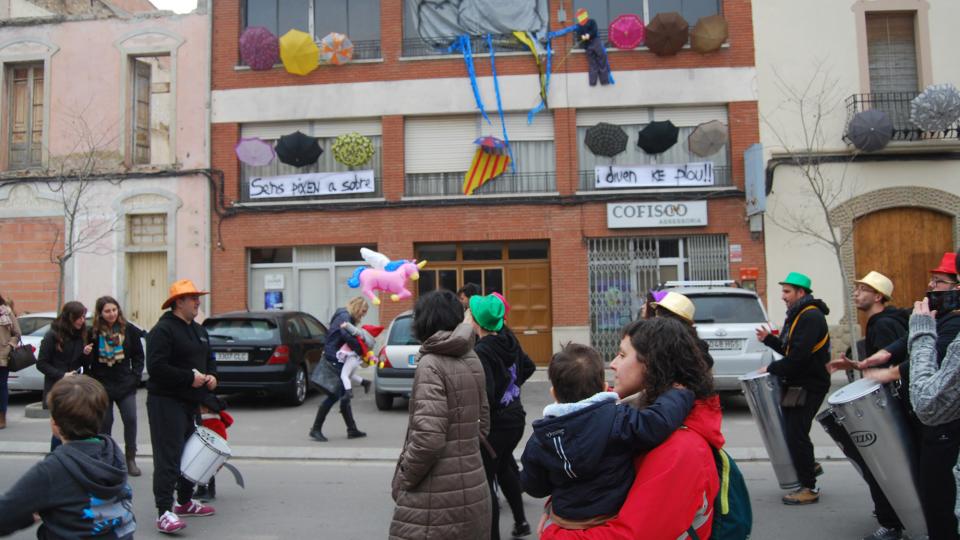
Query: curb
x=36 y=410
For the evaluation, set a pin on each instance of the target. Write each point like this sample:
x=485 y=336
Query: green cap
x=488 y=311
x=797 y=280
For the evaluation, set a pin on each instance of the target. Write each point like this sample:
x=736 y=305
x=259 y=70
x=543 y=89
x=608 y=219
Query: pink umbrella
x=626 y=31
x=255 y=152
x=259 y=48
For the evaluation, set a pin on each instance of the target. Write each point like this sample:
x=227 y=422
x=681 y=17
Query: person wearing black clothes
x=64 y=350
x=118 y=364
x=805 y=346
x=506 y=367
x=182 y=371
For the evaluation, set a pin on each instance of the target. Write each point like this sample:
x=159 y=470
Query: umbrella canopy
x=658 y=137
x=336 y=49
x=491 y=144
x=870 y=130
x=667 y=33
x=255 y=152
x=626 y=31
x=708 y=138
x=259 y=48
x=606 y=139
x=298 y=52
x=936 y=108
x=709 y=34
x=298 y=149
x=352 y=149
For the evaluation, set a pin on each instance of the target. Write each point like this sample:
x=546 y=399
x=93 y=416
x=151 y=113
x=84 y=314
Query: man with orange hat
x=182 y=372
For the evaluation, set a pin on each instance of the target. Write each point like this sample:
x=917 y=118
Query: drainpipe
x=207 y=253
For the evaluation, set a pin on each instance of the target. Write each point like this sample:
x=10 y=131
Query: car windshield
x=30 y=326
x=401 y=333
x=726 y=309
x=242 y=329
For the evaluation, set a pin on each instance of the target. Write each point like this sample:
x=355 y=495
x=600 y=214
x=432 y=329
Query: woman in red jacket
x=677 y=482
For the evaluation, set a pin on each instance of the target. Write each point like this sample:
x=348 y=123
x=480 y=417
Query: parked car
x=727 y=319
x=397 y=362
x=266 y=351
x=31 y=322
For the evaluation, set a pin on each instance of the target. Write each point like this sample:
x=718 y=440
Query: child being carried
x=366 y=335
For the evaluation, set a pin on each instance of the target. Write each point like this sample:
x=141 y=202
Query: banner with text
x=647 y=176
x=311 y=184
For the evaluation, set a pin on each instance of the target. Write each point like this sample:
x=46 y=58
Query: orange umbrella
x=300 y=55
x=336 y=49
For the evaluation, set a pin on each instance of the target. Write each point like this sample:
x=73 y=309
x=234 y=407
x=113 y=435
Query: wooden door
x=902 y=244
x=530 y=318
x=146 y=287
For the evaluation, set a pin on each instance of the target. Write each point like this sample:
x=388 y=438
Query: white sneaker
x=170 y=523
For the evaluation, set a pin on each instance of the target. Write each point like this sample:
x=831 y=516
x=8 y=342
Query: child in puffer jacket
x=366 y=335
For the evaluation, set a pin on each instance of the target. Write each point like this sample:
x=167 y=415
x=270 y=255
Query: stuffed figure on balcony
x=597 y=60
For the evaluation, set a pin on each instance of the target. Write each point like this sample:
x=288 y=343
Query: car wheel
x=298 y=392
x=384 y=401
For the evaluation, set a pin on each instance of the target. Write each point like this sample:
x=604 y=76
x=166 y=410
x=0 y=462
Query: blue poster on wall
x=273 y=300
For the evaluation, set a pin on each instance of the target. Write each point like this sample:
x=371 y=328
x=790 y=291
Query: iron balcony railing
x=451 y=183
x=362 y=50
x=897 y=106
x=722 y=177
x=414 y=47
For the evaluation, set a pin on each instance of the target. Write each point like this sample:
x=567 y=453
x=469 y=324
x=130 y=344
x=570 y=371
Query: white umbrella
x=936 y=108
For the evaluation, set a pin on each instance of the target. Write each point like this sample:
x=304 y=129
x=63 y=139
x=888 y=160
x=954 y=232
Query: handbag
x=327 y=377
x=21 y=356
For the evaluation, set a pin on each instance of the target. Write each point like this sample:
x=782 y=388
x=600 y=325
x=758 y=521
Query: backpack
x=732 y=514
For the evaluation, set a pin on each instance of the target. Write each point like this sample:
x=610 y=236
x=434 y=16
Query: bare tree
x=825 y=180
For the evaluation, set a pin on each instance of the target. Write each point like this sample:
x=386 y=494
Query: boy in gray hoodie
x=80 y=489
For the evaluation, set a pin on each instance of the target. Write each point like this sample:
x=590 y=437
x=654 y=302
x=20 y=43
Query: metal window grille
x=708 y=257
x=147 y=230
x=451 y=183
x=897 y=106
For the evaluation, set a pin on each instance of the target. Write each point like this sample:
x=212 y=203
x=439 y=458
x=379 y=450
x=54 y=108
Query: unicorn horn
x=422 y=263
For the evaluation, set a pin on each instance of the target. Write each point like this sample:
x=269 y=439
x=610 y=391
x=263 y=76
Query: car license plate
x=725 y=344
x=231 y=356
x=412 y=360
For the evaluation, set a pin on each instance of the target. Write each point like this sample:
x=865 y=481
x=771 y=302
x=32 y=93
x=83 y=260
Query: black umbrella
x=658 y=137
x=298 y=149
x=606 y=139
x=870 y=130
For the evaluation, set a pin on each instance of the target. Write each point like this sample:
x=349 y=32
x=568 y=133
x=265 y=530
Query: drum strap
x=820 y=344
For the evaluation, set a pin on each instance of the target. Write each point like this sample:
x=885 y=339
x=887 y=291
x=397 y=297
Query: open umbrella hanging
x=606 y=139
x=336 y=49
x=658 y=137
x=254 y=152
x=259 y=48
x=298 y=149
x=352 y=149
x=936 y=108
x=491 y=145
x=708 y=138
x=870 y=130
x=626 y=31
x=300 y=55
x=709 y=34
x=667 y=33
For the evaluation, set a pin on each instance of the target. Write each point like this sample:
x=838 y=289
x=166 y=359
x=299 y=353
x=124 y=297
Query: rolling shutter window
x=690 y=116
x=272 y=131
x=892 y=52
x=326 y=129
x=517 y=127
x=620 y=117
x=439 y=144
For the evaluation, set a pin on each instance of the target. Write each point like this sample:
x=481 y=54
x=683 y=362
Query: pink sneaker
x=193 y=508
x=169 y=523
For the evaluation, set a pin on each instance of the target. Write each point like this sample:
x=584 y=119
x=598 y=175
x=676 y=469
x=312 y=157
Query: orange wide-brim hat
x=183 y=287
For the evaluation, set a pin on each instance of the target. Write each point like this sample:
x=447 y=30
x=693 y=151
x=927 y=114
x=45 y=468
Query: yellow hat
x=677 y=304
x=877 y=282
x=183 y=287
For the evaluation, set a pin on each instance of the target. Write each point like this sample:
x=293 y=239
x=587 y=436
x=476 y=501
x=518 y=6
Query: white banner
x=652 y=176
x=641 y=215
x=311 y=184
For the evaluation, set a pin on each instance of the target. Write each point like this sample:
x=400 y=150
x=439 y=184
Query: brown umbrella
x=708 y=138
x=709 y=34
x=667 y=33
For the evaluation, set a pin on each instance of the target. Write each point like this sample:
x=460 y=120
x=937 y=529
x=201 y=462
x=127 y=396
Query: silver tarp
x=437 y=22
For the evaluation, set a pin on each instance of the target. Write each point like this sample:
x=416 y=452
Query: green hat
x=488 y=311
x=797 y=280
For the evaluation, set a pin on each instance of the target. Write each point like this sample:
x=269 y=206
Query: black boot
x=131 y=454
x=366 y=386
x=347 y=411
x=316 y=431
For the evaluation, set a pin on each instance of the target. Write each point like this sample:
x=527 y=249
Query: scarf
x=6 y=316
x=110 y=347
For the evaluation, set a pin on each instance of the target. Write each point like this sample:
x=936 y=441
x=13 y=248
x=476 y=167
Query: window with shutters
x=358 y=19
x=892 y=51
x=24 y=116
x=605 y=11
x=150 y=110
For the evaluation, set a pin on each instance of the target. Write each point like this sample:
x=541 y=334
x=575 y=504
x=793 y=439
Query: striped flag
x=485 y=166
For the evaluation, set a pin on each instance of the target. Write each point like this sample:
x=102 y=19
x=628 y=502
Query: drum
x=203 y=454
x=877 y=425
x=828 y=420
x=763 y=396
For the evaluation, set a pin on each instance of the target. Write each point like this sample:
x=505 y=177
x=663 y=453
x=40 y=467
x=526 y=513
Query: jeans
x=4 y=392
x=128 y=414
x=797 y=422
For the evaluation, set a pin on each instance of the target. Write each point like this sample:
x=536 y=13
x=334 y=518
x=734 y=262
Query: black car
x=266 y=351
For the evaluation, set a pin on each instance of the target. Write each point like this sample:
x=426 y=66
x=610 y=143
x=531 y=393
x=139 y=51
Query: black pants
x=171 y=423
x=797 y=423
x=128 y=414
x=503 y=469
x=939 y=446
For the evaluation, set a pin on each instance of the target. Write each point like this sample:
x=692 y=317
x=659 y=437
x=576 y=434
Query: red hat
x=506 y=305
x=373 y=329
x=948 y=264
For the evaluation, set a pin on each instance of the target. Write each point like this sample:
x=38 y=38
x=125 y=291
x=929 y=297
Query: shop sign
x=311 y=184
x=656 y=214
x=273 y=282
x=655 y=176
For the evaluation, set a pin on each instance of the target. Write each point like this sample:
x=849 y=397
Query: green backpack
x=732 y=514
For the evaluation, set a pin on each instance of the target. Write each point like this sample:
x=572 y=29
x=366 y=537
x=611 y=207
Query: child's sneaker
x=193 y=508
x=169 y=523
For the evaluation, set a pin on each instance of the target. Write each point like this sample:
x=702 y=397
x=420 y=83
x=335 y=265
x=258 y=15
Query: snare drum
x=203 y=454
x=763 y=396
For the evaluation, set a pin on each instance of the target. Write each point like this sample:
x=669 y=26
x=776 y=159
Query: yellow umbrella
x=300 y=55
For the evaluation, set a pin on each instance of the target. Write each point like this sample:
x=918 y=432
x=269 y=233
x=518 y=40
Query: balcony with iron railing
x=897 y=106
x=419 y=47
x=451 y=183
x=362 y=50
x=722 y=177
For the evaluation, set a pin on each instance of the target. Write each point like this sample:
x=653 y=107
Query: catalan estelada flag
x=485 y=166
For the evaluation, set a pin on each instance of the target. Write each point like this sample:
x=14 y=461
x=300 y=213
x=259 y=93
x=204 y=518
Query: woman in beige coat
x=439 y=484
x=9 y=337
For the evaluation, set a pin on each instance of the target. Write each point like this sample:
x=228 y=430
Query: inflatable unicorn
x=384 y=275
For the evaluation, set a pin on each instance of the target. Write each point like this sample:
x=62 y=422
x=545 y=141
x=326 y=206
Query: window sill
x=488 y=196
x=311 y=202
x=457 y=56
x=643 y=48
x=640 y=191
x=241 y=68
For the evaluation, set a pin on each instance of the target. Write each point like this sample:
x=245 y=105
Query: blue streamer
x=496 y=90
x=462 y=44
